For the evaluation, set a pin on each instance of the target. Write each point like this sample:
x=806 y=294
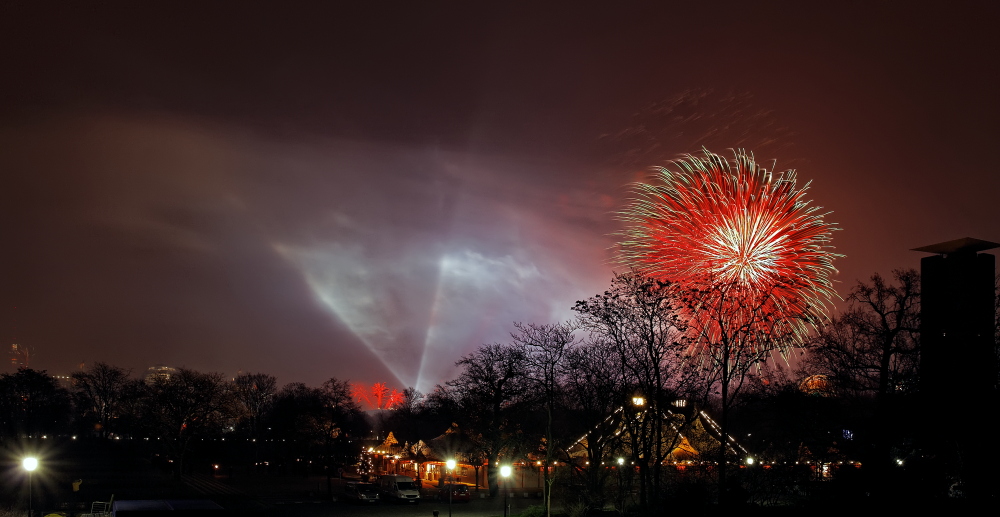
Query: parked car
x=459 y=493
x=399 y=489
x=361 y=492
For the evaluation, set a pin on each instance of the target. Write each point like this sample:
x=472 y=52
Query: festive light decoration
x=738 y=230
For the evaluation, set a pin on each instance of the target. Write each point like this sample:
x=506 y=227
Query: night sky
x=369 y=193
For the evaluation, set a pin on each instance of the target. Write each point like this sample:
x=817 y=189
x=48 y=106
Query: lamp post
x=29 y=464
x=450 y=486
x=505 y=474
x=621 y=493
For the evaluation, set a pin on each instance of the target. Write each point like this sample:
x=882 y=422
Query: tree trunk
x=724 y=425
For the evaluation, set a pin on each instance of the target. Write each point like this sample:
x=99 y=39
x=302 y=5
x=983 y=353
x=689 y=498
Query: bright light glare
x=505 y=471
x=451 y=464
x=30 y=464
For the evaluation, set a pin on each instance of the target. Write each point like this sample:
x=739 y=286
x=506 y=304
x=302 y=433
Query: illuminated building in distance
x=159 y=372
x=19 y=356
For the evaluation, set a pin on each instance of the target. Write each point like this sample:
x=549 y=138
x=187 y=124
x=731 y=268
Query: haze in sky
x=370 y=193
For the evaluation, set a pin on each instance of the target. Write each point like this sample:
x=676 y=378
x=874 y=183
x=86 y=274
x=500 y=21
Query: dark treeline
x=620 y=406
x=186 y=407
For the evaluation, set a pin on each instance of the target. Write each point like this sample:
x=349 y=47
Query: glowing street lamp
x=505 y=474
x=29 y=464
x=638 y=403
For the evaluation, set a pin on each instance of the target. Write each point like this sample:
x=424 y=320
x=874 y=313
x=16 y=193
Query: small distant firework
x=378 y=396
x=736 y=229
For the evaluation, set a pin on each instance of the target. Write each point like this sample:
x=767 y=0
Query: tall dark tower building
x=957 y=359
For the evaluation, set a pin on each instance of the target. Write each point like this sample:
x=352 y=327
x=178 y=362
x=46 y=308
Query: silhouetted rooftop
x=958 y=245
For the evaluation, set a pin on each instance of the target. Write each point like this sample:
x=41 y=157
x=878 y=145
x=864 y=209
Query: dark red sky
x=311 y=190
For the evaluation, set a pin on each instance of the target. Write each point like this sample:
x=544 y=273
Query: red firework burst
x=736 y=229
x=378 y=396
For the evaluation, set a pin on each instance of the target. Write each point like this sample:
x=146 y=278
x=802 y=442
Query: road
x=313 y=503
x=477 y=508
